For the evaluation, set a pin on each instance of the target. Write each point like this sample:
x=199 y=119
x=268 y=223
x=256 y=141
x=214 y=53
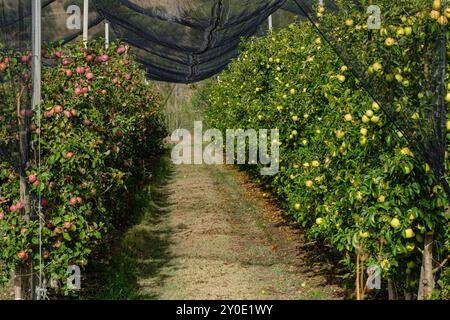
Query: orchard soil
x=209 y=233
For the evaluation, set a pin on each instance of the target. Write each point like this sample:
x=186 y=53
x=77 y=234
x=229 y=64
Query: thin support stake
x=270 y=23
x=107 y=34
x=36 y=106
x=86 y=22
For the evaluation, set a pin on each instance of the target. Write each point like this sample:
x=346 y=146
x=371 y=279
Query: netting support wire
x=36 y=105
x=107 y=34
x=270 y=23
x=86 y=22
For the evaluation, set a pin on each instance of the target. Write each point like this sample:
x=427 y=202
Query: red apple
x=73 y=201
x=32 y=178
x=69 y=155
x=74 y=112
x=86 y=122
x=2 y=215
x=68 y=114
x=126 y=62
x=80 y=70
x=36 y=183
x=44 y=202
x=89 y=58
x=57 y=55
x=85 y=90
x=3 y=66
x=89 y=76
x=128 y=77
x=19 y=206
x=66 y=62
x=23 y=231
x=45 y=254
x=48 y=114
x=78 y=91
x=24 y=59
x=22 y=255
x=57 y=244
x=79 y=200
x=57 y=231
x=68 y=225
x=121 y=50
x=58 y=109
x=69 y=73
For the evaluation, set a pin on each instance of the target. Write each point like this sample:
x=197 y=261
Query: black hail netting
x=190 y=40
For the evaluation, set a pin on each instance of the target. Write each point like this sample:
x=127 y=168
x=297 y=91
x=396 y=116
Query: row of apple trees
x=348 y=175
x=91 y=145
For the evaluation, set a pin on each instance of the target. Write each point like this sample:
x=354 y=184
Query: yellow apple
x=365 y=119
x=349 y=22
x=381 y=199
x=437 y=5
x=447 y=97
x=448 y=125
x=297 y=206
x=363 y=141
x=409 y=233
x=395 y=223
x=447 y=12
x=348 y=117
x=309 y=184
x=340 y=134
x=443 y=20
x=295 y=118
x=363 y=131
x=369 y=113
x=375 y=106
x=364 y=234
x=375 y=119
x=315 y=164
x=408 y=31
x=435 y=14
x=389 y=42
x=377 y=66
x=319 y=221
x=341 y=78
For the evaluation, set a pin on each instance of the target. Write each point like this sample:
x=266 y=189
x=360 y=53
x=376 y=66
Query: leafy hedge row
x=100 y=127
x=347 y=175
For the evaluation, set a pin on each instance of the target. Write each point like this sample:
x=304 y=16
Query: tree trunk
x=392 y=291
x=23 y=278
x=426 y=284
x=23 y=281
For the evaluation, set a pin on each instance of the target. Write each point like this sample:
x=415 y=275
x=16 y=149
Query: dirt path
x=214 y=236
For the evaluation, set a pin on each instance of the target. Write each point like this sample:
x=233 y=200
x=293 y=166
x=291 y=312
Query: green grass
x=117 y=279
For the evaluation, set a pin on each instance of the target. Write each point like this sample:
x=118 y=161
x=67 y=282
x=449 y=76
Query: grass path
x=210 y=234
